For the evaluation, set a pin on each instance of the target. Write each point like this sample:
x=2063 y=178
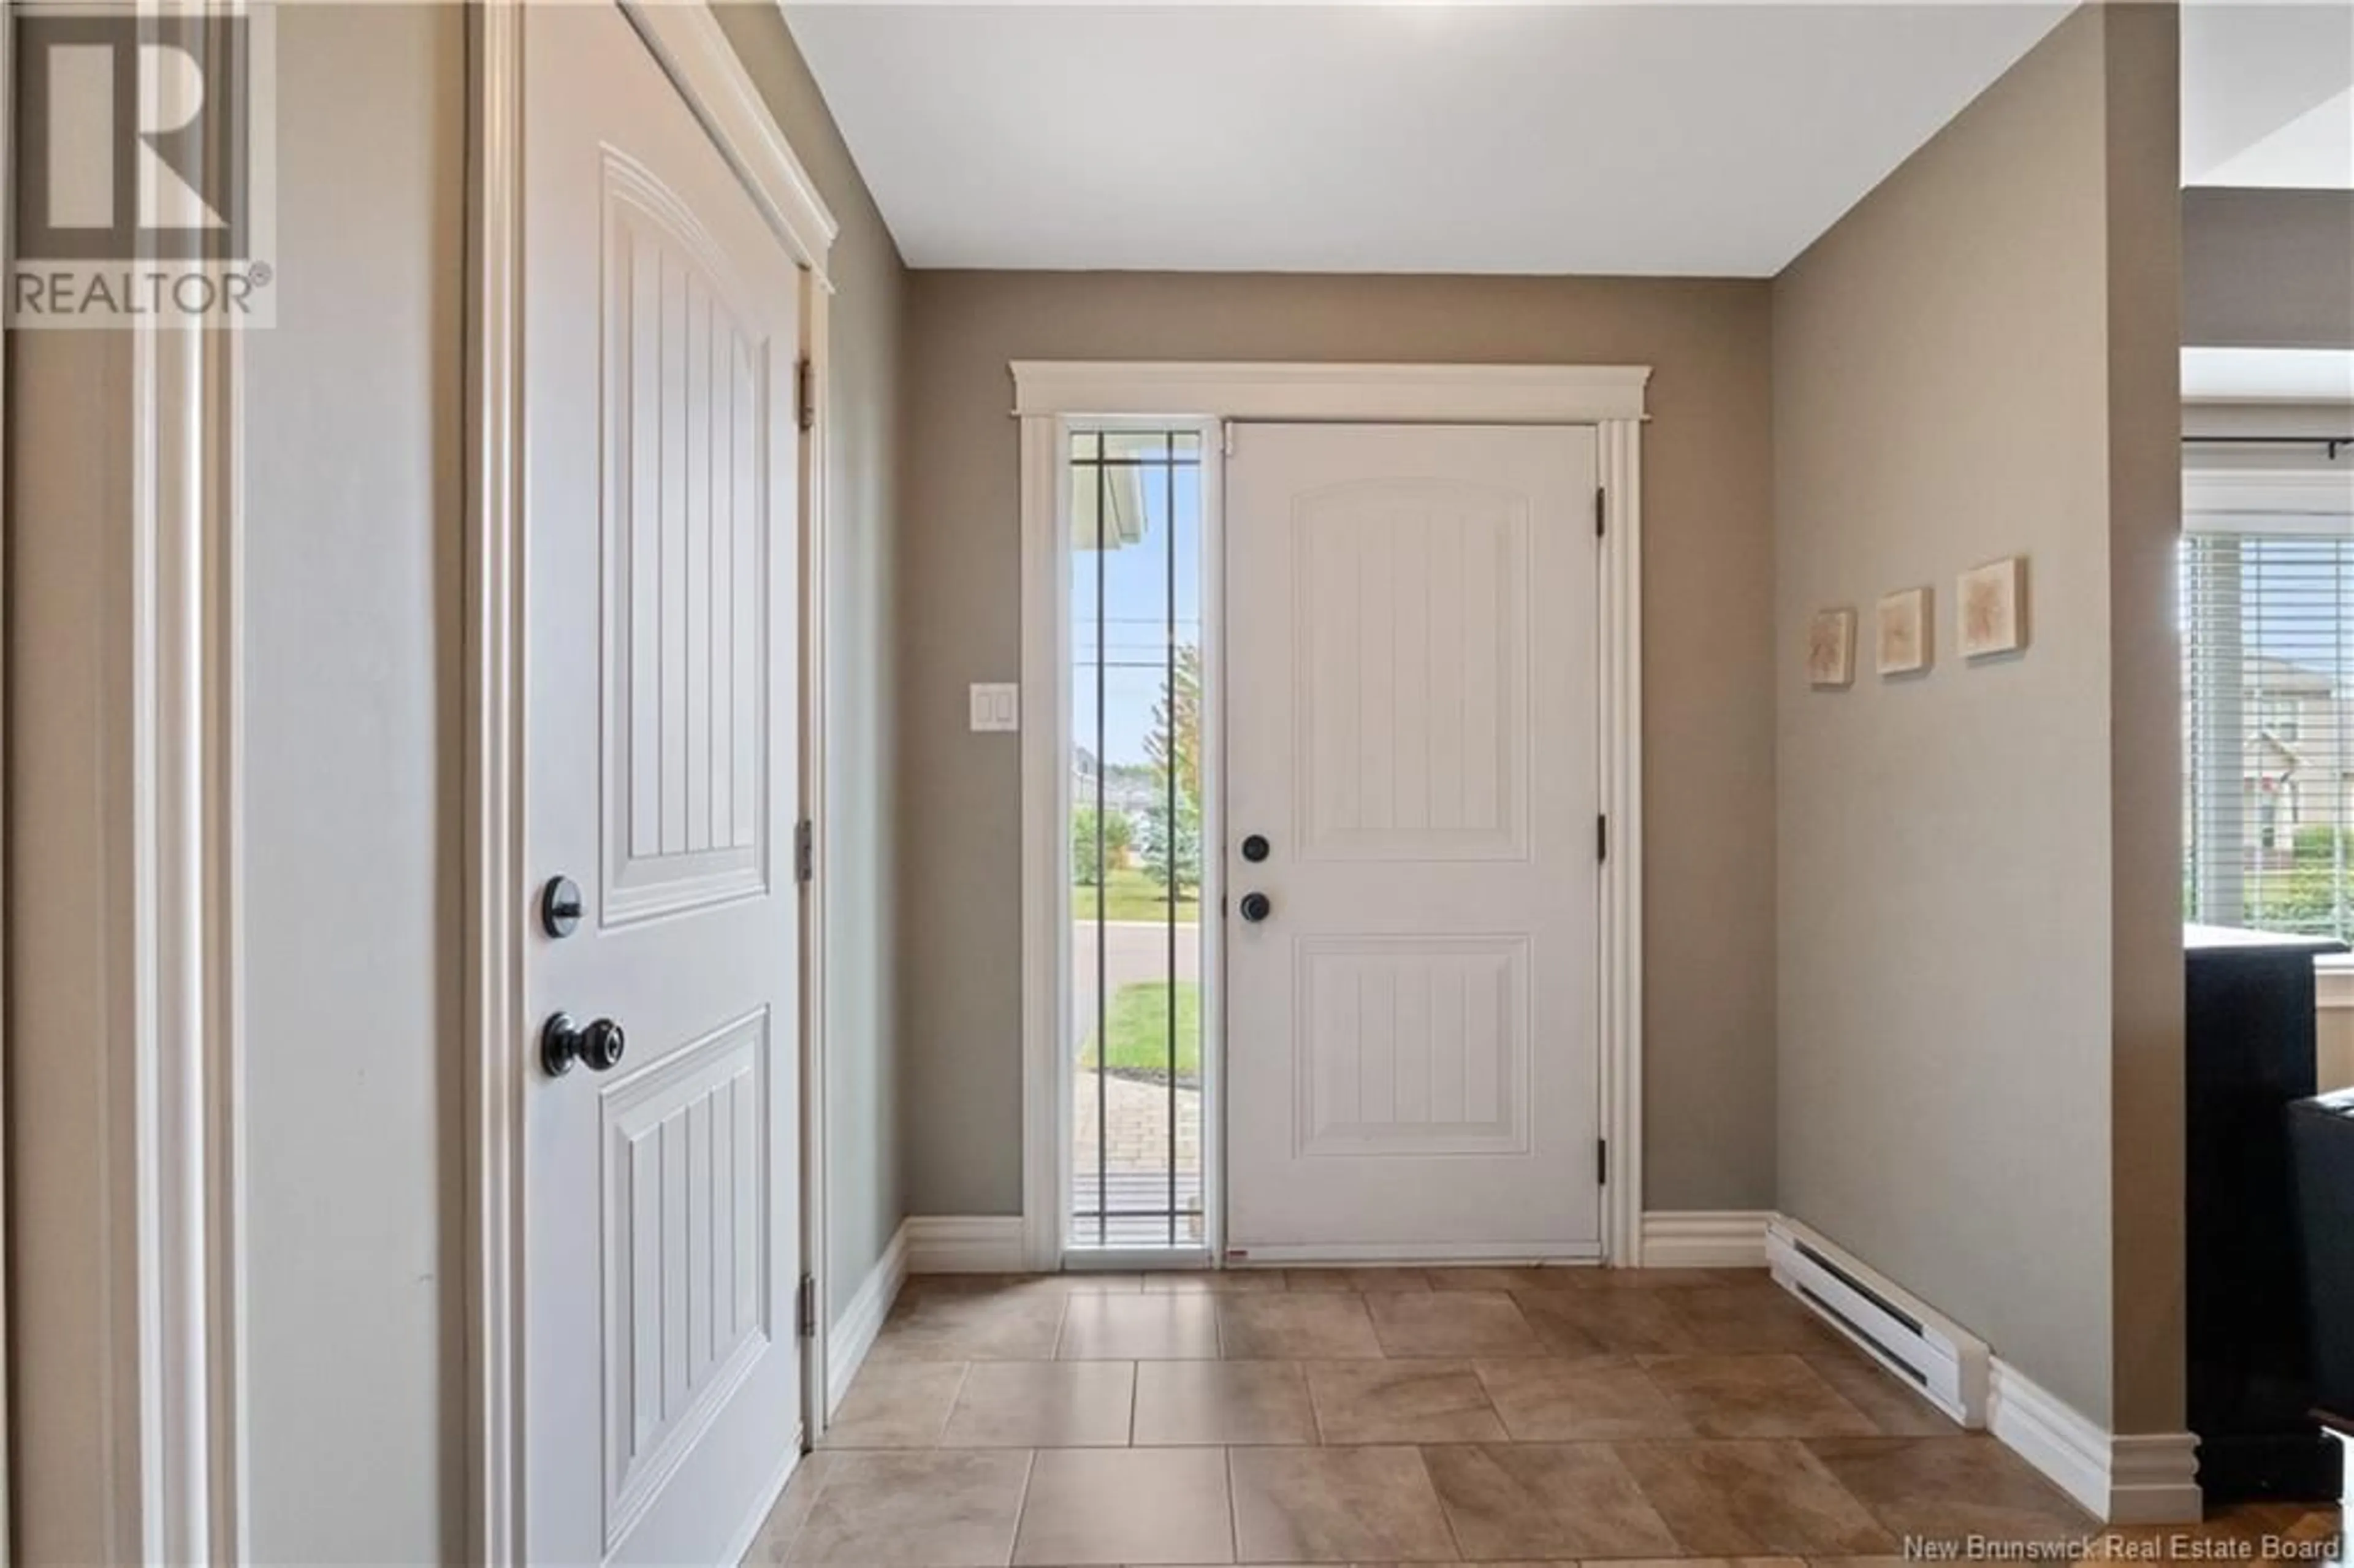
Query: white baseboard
x=1730 y=1238
x=2147 y=1480
x=852 y=1334
x=964 y=1243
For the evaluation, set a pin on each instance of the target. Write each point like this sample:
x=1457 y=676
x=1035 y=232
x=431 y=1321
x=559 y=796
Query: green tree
x=1173 y=824
x=1118 y=838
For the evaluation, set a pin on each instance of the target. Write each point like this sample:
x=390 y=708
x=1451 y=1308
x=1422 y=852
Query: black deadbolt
x=563 y=1041
x=1254 y=848
x=1257 y=907
x=559 y=906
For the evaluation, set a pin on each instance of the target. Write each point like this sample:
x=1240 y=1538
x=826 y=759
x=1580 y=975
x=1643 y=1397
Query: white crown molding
x=1705 y=1239
x=964 y=1243
x=862 y=1319
x=1463 y=394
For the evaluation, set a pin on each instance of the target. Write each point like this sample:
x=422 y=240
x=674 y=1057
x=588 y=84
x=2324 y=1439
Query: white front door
x=1411 y=650
x=661 y=452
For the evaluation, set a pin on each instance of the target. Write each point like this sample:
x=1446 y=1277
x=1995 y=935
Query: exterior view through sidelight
x=1135 y=1038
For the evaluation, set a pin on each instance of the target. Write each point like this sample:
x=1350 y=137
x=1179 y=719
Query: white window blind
x=2268 y=728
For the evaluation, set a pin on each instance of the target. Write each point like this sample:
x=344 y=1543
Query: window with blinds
x=2269 y=746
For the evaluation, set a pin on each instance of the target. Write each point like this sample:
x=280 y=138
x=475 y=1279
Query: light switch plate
x=996 y=707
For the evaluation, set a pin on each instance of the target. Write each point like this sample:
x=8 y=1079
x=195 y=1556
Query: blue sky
x=1139 y=598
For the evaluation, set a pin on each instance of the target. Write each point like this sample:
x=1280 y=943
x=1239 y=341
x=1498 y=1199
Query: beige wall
x=1708 y=729
x=1979 y=982
x=864 y=651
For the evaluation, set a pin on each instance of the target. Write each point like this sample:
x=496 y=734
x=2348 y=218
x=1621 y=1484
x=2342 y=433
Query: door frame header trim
x=1355 y=393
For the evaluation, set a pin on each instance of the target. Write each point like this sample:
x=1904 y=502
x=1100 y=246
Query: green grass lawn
x=1138 y=1028
x=1131 y=894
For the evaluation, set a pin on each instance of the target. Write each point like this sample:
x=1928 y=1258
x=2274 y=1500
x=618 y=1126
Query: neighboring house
x=1125 y=789
x=2296 y=755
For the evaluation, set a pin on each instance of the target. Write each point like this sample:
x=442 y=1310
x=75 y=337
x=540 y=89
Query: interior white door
x=1411 y=643
x=662 y=1401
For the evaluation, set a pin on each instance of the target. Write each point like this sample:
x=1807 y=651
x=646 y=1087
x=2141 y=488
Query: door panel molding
x=1049 y=397
x=702 y=67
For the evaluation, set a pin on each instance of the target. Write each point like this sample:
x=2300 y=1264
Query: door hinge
x=1602 y=838
x=805 y=394
x=1226 y=438
x=808 y=1307
x=805 y=851
x=1602 y=1162
x=1601 y=510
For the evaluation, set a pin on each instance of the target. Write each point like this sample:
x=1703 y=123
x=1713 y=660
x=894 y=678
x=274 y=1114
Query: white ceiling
x=1648 y=138
x=2267 y=376
x=2268 y=95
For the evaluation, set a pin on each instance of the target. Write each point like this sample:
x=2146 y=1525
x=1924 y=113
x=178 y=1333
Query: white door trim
x=1045 y=837
x=134 y=1223
x=1047 y=395
x=711 y=79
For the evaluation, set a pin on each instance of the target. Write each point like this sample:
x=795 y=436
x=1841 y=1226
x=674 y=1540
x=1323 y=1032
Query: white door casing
x=661 y=1203
x=1413 y=1032
x=1607 y=400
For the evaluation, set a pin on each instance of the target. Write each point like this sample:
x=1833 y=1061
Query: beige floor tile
x=1716 y=1563
x=1758 y=1318
x=1452 y=1323
x=1313 y=1325
x=972 y=1325
x=1673 y=1278
x=1892 y=1407
x=1558 y=1276
x=895 y=1405
x=1126 y=1506
x=1185 y=1402
x=1604 y=1322
x=1336 y=1505
x=1418 y=1401
x=1367 y=1281
x=1213 y=1281
x=1767 y=1498
x=1950 y=1488
x=1496 y=1277
x=1003 y=1285
x=1043 y=1404
x=1155 y=1327
x=1755 y=1396
x=939 y=1510
x=783 y=1525
x=1545 y=1500
x=2312 y=1535
x=1586 y=1399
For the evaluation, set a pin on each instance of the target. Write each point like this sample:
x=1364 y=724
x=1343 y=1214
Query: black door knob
x=1257 y=907
x=1254 y=848
x=563 y=1041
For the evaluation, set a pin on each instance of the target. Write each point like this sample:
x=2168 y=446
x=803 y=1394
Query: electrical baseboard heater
x=1946 y=1364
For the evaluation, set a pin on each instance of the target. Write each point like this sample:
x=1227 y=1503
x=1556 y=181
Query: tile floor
x=1489 y=1415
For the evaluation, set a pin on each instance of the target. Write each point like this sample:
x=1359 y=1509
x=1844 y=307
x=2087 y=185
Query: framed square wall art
x=1902 y=640
x=1991 y=609
x=1830 y=650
